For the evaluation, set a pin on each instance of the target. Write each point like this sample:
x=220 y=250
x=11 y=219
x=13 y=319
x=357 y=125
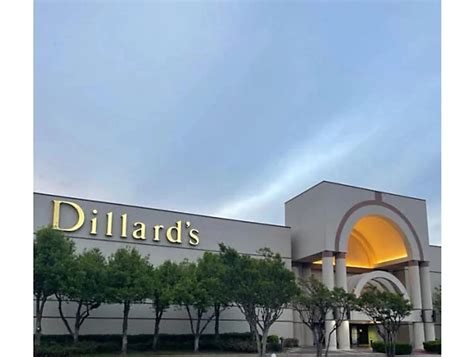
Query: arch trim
x=395 y=210
x=357 y=283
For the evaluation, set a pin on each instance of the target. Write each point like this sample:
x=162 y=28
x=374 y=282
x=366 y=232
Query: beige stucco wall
x=245 y=237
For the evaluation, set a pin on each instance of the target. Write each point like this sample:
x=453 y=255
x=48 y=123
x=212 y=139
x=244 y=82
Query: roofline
x=357 y=187
x=435 y=246
x=160 y=209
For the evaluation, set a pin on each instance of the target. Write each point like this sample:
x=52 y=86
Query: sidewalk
x=309 y=351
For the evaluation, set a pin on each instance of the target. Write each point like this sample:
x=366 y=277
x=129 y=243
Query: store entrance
x=359 y=334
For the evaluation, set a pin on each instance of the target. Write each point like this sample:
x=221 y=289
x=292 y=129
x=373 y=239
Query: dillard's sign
x=173 y=233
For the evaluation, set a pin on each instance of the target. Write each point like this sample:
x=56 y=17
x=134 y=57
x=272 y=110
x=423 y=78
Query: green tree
x=211 y=265
x=315 y=302
x=53 y=257
x=262 y=289
x=199 y=290
x=387 y=310
x=85 y=285
x=165 y=278
x=129 y=277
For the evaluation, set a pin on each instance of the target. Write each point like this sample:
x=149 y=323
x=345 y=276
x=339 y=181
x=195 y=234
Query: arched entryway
x=380 y=280
x=374 y=236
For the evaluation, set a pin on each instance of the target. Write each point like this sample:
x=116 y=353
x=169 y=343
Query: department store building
x=348 y=237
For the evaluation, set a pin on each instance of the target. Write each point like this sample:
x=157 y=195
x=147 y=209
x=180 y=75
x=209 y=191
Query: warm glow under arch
x=374 y=241
x=369 y=243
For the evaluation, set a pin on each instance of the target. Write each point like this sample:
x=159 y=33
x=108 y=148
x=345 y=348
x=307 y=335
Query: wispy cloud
x=301 y=164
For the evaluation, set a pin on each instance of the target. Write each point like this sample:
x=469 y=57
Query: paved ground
x=309 y=351
x=297 y=352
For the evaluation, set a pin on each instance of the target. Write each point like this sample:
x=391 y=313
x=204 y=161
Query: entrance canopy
x=374 y=241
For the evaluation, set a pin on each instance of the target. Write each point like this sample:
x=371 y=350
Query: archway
x=374 y=241
x=368 y=228
x=380 y=279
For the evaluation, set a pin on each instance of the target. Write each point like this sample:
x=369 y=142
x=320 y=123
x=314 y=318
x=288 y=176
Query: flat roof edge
x=356 y=187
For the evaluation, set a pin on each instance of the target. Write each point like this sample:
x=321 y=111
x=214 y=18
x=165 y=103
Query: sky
x=230 y=108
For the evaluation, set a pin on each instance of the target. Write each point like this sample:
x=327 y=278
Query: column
x=328 y=280
x=300 y=330
x=407 y=286
x=343 y=339
x=426 y=300
x=298 y=327
x=415 y=291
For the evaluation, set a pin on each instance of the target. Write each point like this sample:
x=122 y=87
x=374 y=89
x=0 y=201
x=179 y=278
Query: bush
x=400 y=348
x=273 y=339
x=433 y=346
x=61 y=345
x=290 y=342
x=273 y=344
x=56 y=350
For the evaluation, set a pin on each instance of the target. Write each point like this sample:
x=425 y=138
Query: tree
x=53 y=256
x=314 y=302
x=211 y=265
x=262 y=289
x=199 y=290
x=129 y=277
x=164 y=281
x=387 y=310
x=85 y=284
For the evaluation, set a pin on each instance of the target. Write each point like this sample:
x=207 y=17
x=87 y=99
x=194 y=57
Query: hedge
x=433 y=346
x=61 y=345
x=290 y=342
x=400 y=348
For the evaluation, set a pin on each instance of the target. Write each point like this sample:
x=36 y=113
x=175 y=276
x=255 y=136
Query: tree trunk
x=196 y=343
x=264 y=342
x=39 y=315
x=317 y=342
x=77 y=323
x=388 y=345
x=76 y=334
x=257 y=340
x=217 y=312
x=157 y=328
x=63 y=318
x=197 y=333
x=126 y=309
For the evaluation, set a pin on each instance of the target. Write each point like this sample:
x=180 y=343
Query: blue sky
x=231 y=108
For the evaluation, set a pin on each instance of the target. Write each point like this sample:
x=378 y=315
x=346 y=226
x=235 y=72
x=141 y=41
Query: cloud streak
x=300 y=166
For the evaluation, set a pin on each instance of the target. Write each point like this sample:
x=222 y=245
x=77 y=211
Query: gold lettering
x=169 y=233
x=124 y=225
x=108 y=232
x=193 y=237
x=139 y=233
x=157 y=232
x=94 y=223
x=56 y=213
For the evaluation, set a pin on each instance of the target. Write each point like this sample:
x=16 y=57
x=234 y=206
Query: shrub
x=400 y=348
x=56 y=350
x=273 y=339
x=290 y=342
x=61 y=345
x=273 y=344
x=108 y=347
x=433 y=346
